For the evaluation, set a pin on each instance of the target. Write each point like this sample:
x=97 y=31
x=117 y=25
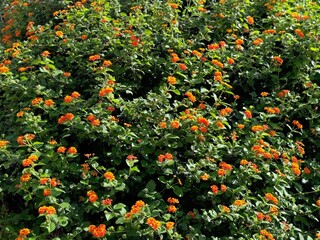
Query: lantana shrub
x=159 y=120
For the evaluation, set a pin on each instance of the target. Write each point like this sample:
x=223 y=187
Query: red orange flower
x=272 y=198
x=109 y=176
x=94 y=57
x=105 y=91
x=153 y=223
x=175 y=124
x=97 y=231
x=24 y=232
x=250 y=20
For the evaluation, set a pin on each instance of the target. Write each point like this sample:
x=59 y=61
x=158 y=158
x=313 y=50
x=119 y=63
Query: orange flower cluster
x=4 y=69
x=171 y=207
x=231 y=61
x=153 y=223
x=173 y=5
x=262 y=216
x=65 y=118
x=21 y=139
x=174 y=57
x=278 y=59
x=106 y=63
x=190 y=96
x=131 y=157
x=213 y=46
x=48 y=210
x=239 y=203
x=93 y=197
x=257 y=41
x=97 y=231
x=266 y=234
x=107 y=201
x=214 y=189
x=172 y=80
x=175 y=124
x=46 y=192
x=134 y=41
x=25 y=177
x=224 y=167
x=270 y=31
x=219 y=124
x=172 y=200
x=53 y=182
x=183 y=67
x=45 y=53
x=59 y=34
x=68 y=98
x=29 y=161
x=136 y=208
x=300 y=147
x=3 y=143
x=167 y=156
x=217 y=63
x=250 y=20
x=299 y=17
x=258 y=128
x=225 y=209
x=272 y=110
x=203 y=121
x=24 y=232
x=109 y=176
x=36 y=101
x=197 y=53
x=297 y=124
x=272 y=198
x=61 y=149
x=162 y=124
x=283 y=93
x=248 y=113
x=274 y=210
x=72 y=150
x=94 y=121
x=239 y=41
x=295 y=166
x=299 y=33
x=169 y=225
x=105 y=91
x=225 y=111
x=218 y=76
x=49 y=102
x=94 y=57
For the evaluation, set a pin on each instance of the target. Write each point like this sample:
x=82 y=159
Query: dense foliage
x=150 y=119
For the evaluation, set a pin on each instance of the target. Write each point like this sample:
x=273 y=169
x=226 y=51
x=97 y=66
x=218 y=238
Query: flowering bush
x=160 y=120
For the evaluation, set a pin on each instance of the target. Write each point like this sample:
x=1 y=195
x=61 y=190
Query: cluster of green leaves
x=111 y=110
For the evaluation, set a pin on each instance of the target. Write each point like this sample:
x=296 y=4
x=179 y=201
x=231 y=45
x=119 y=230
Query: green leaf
x=119 y=206
x=108 y=215
x=151 y=186
x=63 y=221
x=178 y=191
x=120 y=220
x=134 y=169
x=300 y=236
x=50 y=226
